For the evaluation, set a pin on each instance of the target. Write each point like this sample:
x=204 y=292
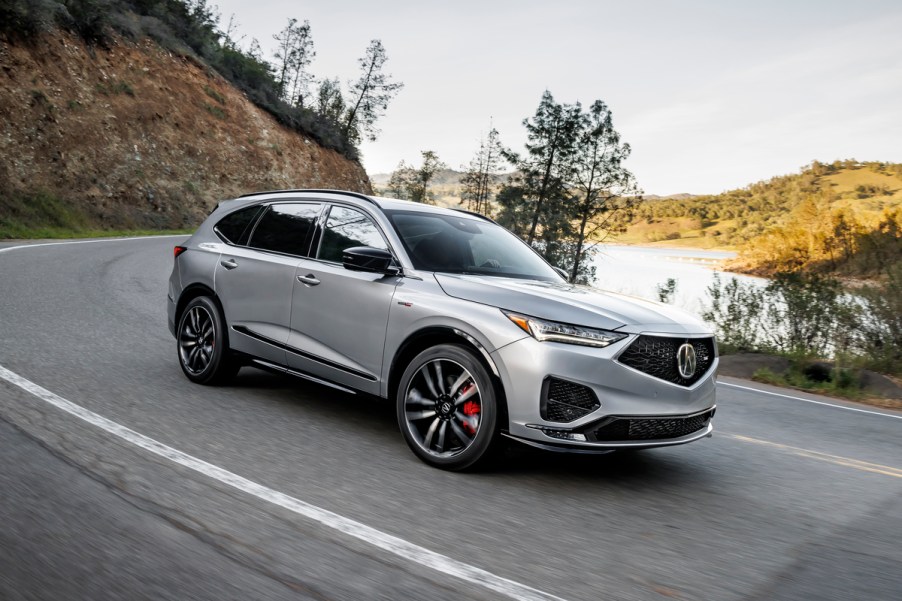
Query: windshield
x=452 y=244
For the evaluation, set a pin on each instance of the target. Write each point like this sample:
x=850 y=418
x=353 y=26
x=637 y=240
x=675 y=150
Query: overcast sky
x=711 y=95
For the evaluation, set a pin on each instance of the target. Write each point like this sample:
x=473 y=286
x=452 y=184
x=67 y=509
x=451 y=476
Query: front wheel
x=203 y=345
x=447 y=407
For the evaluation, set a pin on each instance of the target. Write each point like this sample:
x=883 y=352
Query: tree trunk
x=578 y=254
x=544 y=189
x=366 y=88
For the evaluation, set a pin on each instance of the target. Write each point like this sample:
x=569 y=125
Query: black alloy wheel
x=203 y=344
x=447 y=407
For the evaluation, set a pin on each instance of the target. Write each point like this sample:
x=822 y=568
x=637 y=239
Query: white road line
x=798 y=398
x=387 y=542
x=40 y=244
x=864 y=466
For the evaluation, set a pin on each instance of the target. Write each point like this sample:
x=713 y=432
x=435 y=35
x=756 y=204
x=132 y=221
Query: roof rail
x=475 y=214
x=318 y=191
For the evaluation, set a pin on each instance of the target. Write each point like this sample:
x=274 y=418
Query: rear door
x=338 y=316
x=255 y=282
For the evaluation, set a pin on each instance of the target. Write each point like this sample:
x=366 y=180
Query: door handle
x=229 y=263
x=308 y=279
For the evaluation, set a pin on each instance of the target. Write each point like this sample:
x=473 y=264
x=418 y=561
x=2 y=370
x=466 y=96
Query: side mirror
x=369 y=259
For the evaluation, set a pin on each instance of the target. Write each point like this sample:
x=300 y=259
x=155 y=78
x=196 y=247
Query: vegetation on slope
x=189 y=27
x=812 y=317
x=844 y=217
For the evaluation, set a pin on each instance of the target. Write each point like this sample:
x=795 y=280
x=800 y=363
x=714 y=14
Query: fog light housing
x=564 y=435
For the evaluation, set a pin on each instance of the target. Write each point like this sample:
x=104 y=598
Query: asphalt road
x=789 y=499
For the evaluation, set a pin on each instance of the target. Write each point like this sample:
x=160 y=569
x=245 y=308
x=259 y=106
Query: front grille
x=658 y=428
x=657 y=357
x=564 y=401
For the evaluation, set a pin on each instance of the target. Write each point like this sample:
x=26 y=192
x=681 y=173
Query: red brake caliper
x=470 y=409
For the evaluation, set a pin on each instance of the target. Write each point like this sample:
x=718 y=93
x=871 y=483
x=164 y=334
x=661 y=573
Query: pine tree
x=418 y=189
x=605 y=191
x=400 y=180
x=479 y=176
x=550 y=135
x=570 y=187
x=370 y=95
x=410 y=183
x=294 y=54
x=330 y=101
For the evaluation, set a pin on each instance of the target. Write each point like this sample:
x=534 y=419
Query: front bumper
x=597 y=449
x=631 y=401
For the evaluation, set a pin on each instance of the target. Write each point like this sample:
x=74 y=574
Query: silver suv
x=464 y=327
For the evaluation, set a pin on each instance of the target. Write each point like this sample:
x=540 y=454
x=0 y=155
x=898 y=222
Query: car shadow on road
x=367 y=416
x=660 y=466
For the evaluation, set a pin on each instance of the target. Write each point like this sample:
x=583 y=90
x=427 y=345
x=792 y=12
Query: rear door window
x=286 y=228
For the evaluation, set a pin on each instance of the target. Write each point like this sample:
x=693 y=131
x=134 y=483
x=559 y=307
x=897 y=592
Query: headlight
x=553 y=331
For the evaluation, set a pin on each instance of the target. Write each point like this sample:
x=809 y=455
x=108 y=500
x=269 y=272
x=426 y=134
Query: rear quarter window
x=234 y=228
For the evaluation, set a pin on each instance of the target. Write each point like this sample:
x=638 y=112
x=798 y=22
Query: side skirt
x=298 y=374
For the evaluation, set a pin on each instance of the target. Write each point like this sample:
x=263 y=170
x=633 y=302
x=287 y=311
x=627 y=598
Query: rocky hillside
x=134 y=136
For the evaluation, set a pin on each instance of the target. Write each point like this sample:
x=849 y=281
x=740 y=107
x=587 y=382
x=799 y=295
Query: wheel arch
x=431 y=336
x=193 y=291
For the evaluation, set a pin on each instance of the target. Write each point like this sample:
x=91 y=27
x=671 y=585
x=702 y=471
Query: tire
x=202 y=344
x=447 y=408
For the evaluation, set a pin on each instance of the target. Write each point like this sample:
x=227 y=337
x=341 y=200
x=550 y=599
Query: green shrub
x=840 y=382
x=26 y=18
x=90 y=19
x=878 y=323
x=215 y=95
x=215 y=111
x=21 y=213
x=810 y=316
x=667 y=290
x=735 y=313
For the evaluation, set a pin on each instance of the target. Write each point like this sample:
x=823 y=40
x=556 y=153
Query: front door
x=339 y=316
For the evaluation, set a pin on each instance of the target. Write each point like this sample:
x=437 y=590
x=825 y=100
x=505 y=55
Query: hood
x=568 y=303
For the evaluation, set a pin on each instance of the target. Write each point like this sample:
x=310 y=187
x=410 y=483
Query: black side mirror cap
x=369 y=259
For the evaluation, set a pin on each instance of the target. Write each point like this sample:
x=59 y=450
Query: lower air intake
x=659 y=428
x=564 y=401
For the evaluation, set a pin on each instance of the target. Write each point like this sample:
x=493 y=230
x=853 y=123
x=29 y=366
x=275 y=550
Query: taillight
x=178 y=250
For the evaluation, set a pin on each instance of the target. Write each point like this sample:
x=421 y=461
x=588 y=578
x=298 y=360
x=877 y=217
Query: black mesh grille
x=564 y=401
x=662 y=428
x=657 y=356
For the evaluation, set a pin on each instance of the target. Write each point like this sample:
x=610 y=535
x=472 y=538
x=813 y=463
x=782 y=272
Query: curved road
x=119 y=479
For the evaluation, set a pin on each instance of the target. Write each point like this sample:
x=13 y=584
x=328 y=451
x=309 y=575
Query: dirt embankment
x=135 y=136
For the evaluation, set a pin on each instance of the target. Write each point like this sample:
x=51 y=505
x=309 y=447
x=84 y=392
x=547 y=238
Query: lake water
x=638 y=270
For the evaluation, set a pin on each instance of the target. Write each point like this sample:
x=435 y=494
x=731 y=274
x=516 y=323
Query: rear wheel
x=203 y=345
x=447 y=407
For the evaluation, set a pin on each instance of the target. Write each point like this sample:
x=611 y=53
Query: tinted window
x=234 y=227
x=463 y=244
x=286 y=228
x=347 y=228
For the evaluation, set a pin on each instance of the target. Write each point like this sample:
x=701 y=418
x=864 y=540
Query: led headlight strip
x=552 y=331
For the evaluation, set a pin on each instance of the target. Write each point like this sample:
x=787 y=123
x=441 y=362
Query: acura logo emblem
x=686 y=360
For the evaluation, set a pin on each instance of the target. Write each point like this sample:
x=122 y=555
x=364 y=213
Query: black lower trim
x=642 y=428
x=559 y=448
x=298 y=374
x=305 y=355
